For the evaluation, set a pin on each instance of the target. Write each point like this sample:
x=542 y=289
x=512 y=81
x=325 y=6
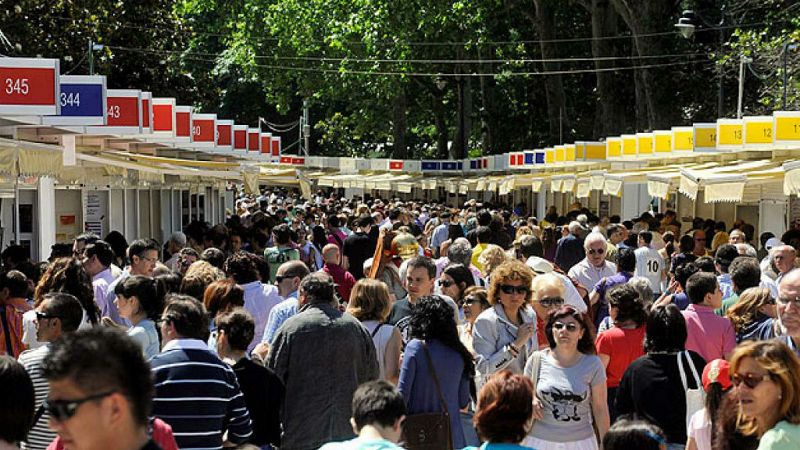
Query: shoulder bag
x=429 y=431
x=695 y=398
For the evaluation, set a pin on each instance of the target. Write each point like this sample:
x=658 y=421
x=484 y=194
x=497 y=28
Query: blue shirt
x=439 y=235
x=601 y=288
x=280 y=313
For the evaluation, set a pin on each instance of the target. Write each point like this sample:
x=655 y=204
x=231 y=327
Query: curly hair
x=198 y=276
x=68 y=275
x=505 y=407
x=586 y=342
x=746 y=309
x=511 y=270
x=629 y=306
x=432 y=318
x=491 y=258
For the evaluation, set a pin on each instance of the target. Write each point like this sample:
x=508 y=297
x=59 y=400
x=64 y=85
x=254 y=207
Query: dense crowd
x=339 y=323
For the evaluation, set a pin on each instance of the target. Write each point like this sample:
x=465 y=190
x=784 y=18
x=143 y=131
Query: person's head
x=505 y=408
x=176 y=242
x=66 y=275
x=686 y=244
x=788 y=305
x=626 y=260
x=483 y=234
x=547 y=293
x=96 y=257
x=643 y=290
x=137 y=298
x=214 y=256
x=282 y=235
x=420 y=277
x=784 y=256
x=683 y=272
x=475 y=302
x=705 y=264
x=627 y=434
x=716 y=383
x=575 y=228
x=616 y=233
x=699 y=237
x=143 y=256
x=703 y=288
x=317 y=288
x=222 y=296
x=530 y=245
x=737 y=237
x=235 y=330
x=184 y=317
x=666 y=330
x=625 y=305
x=13 y=284
x=595 y=247
x=289 y=275
x=491 y=257
x=724 y=256
x=380 y=405
x=198 y=276
x=186 y=257
x=454 y=280
x=57 y=314
x=16 y=401
x=241 y=267
x=82 y=241
x=568 y=327
x=460 y=252
x=645 y=238
x=364 y=222
x=768 y=388
x=432 y=318
x=101 y=389
x=511 y=285
x=369 y=300
x=331 y=254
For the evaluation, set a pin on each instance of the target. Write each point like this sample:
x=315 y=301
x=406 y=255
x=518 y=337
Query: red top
x=623 y=346
x=343 y=279
x=162 y=435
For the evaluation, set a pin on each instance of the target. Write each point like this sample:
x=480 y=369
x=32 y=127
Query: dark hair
x=239 y=327
x=103 y=359
x=531 y=245
x=16 y=400
x=241 y=267
x=460 y=274
x=666 y=330
x=320 y=239
x=16 y=254
x=684 y=271
x=627 y=434
x=483 y=234
x=705 y=264
x=318 y=287
x=281 y=233
x=714 y=396
x=68 y=275
x=586 y=342
x=16 y=282
x=118 y=243
x=726 y=434
x=139 y=247
x=102 y=250
x=613 y=228
x=221 y=296
x=646 y=236
x=214 y=256
x=188 y=316
x=424 y=262
x=686 y=243
x=432 y=318
x=87 y=238
x=726 y=254
x=699 y=285
x=145 y=290
x=454 y=231
x=167 y=283
x=377 y=402
x=505 y=407
x=484 y=218
x=745 y=273
x=364 y=220
x=629 y=306
x=626 y=260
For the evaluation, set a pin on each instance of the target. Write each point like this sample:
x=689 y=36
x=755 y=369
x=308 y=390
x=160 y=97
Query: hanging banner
x=240 y=138
x=786 y=128
x=183 y=123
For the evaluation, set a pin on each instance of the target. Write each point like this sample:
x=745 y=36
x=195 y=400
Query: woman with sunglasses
x=570 y=386
x=504 y=335
x=455 y=280
x=548 y=297
x=475 y=302
x=752 y=316
x=621 y=344
x=765 y=376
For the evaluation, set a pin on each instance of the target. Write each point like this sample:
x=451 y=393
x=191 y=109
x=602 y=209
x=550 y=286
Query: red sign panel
x=253 y=141
x=265 y=144
x=146 y=112
x=276 y=147
x=162 y=118
x=183 y=124
x=395 y=165
x=224 y=134
x=286 y=159
x=122 y=111
x=28 y=86
x=298 y=161
x=240 y=139
x=203 y=130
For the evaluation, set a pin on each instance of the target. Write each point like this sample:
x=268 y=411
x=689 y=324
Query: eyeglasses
x=784 y=301
x=592 y=251
x=700 y=239
x=43 y=315
x=571 y=327
x=163 y=320
x=470 y=300
x=509 y=289
x=63 y=410
x=749 y=380
x=447 y=283
x=549 y=302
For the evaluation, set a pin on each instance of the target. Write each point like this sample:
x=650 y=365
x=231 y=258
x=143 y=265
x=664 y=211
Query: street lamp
x=786 y=47
x=687 y=25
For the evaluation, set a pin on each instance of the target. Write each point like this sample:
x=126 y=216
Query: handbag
x=429 y=431
x=695 y=398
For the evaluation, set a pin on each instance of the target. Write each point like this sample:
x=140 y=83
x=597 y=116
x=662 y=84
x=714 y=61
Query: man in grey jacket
x=322 y=355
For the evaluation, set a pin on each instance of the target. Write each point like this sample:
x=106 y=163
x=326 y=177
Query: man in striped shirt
x=195 y=392
x=58 y=314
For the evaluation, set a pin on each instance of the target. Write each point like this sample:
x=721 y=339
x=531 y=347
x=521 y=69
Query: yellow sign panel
x=645 y=144
x=561 y=153
x=758 y=132
x=787 y=128
x=614 y=147
x=549 y=156
x=570 y=152
x=629 y=145
x=664 y=143
x=684 y=140
x=595 y=151
x=730 y=134
x=706 y=137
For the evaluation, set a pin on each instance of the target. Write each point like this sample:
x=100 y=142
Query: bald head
x=790 y=285
x=787 y=307
x=783 y=256
x=330 y=254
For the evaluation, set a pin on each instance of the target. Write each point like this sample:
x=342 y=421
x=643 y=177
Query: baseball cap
x=772 y=243
x=539 y=265
x=717 y=371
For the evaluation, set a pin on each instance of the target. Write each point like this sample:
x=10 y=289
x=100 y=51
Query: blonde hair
x=523 y=231
x=782 y=365
x=720 y=238
x=511 y=270
x=746 y=309
x=547 y=280
x=491 y=257
x=369 y=300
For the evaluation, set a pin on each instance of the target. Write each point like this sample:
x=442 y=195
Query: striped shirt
x=40 y=435
x=198 y=395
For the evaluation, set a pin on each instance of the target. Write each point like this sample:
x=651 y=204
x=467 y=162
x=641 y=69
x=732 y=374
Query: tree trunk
x=554 y=88
x=400 y=125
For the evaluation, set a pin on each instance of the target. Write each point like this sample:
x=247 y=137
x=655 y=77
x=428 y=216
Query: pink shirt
x=710 y=335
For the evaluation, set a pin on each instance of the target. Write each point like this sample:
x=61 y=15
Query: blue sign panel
x=82 y=100
x=452 y=165
x=430 y=165
x=539 y=157
x=529 y=157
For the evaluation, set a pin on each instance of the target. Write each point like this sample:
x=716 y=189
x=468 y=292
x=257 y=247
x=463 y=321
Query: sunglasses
x=700 y=240
x=280 y=278
x=446 y=283
x=592 y=251
x=749 y=380
x=63 y=410
x=43 y=315
x=571 y=327
x=549 y=302
x=508 y=289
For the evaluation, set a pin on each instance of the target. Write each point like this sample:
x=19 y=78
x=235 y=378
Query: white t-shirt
x=700 y=430
x=650 y=265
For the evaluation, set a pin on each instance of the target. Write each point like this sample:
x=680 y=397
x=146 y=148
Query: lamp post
x=91 y=49
x=786 y=47
x=742 y=61
x=687 y=25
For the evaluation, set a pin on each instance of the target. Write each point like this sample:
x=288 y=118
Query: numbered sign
x=705 y=137
x=240 y=137
x=276 y=146
x=183 y=123
x=164 y=116
x=591 y=151
x=29 y=86
x=644 y=143
x=614 y=147
x=225 y=135
x=147 y=112
x=571 y=150
x=266 y=144
x=758 y=132
x=628 y=145
x=729 y=134
x=204 y=130
x=82 y=101
x=254 y=140
x=396 y=164
x=682 y=139
x=786 y=128
x=549 y=155
x=123 y=113
x=662 y=141
x=561 y=153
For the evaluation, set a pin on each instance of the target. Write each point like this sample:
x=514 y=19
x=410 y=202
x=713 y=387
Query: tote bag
x=695 y=398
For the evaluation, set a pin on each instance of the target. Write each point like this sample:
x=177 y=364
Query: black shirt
x=358 y=247
x=651 y=389
x=400 y=317
x=263 y=394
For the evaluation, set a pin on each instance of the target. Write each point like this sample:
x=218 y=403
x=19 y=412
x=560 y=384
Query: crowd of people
x=336 y=323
